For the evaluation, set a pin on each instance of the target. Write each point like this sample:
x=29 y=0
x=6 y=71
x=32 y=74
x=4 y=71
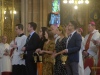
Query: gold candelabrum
x=40 y=58
x=64 y=58
x=35 y=59
x=36 y=56
x=22 y=55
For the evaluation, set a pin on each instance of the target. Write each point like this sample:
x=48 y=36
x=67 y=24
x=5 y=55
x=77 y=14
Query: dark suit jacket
x=32 y=44
x=73 y=47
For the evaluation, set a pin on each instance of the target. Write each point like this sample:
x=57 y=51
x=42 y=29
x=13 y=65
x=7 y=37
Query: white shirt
x=31 y=34
x=73 y=33
x=56 y=38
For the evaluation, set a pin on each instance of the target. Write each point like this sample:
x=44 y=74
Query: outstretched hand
x=64 y=51
x=41 y=52
x=23 y=49
x=54 y=55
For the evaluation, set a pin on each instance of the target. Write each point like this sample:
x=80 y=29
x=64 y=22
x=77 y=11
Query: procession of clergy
x=81 y=53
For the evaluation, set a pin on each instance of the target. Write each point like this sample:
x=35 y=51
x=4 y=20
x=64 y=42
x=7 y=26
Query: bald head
x=54 y=29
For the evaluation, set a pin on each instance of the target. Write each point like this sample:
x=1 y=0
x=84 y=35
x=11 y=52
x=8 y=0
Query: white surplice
x=92 y=48
x=5 y=61
x=16 y=59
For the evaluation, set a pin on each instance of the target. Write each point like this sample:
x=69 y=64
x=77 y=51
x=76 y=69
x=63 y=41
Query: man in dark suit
x=73 y=46
x=30 y=47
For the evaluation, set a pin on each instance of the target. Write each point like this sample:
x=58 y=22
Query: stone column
x=36 y=11
x=41 y=13
x=47 y=8
x=24 y=14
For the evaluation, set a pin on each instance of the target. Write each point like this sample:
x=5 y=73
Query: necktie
x=69 y=37
x=28 y=38
x=27 y=42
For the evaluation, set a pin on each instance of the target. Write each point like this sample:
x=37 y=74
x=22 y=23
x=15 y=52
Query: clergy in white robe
x=18 y=64
x=88 y=44
x=80 y=65
x=92 y=48
x=5 y=60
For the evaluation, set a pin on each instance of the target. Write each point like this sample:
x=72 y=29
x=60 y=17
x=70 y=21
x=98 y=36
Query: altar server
x=18 y=64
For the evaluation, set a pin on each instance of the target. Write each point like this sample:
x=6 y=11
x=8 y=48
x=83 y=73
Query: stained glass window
x=55 y=16
x=55 y=6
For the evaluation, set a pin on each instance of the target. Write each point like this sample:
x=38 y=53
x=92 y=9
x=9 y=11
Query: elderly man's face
x=4 y=39
x=90 y=28
x=54 y=29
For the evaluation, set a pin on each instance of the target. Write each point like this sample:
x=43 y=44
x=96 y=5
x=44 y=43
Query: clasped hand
x=6 y=52
x=39 y=51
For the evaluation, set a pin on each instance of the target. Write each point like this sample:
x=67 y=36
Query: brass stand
x=39 y=65
x=63 y=59
x=40 y=58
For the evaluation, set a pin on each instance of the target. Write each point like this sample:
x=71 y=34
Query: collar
x=55 y=36
x=32 y=33
x=73 y=33
x=21 y=35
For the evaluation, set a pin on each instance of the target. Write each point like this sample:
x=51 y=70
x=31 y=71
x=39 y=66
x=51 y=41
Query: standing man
x=5 y=62
x=81 y=66
x=30 y=47
x=73 y=46
x=18 y=64
x=90 y=47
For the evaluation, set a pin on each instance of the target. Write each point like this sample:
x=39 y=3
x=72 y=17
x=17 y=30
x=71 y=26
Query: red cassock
x=6 y=73
x=89 y=62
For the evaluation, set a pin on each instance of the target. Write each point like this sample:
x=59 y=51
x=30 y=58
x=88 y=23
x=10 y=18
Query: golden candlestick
x=35 y=58
x=21 y=55
x=40 y=58
x=63 y=59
